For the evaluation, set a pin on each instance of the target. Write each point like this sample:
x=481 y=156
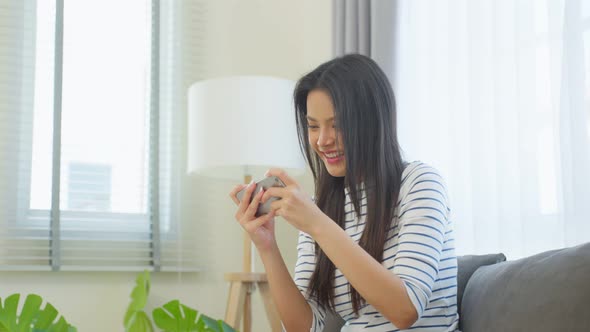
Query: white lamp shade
x=242 y=125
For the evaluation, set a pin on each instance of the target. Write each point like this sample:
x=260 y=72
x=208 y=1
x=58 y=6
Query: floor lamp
x=238 y=127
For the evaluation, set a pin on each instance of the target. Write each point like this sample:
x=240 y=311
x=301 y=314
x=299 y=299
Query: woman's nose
x=326 y=137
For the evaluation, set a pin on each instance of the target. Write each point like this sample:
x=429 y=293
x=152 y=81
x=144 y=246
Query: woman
x=376 y=244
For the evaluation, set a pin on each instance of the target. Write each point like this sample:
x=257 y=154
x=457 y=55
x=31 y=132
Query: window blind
x=21 y=244
x=104 y=122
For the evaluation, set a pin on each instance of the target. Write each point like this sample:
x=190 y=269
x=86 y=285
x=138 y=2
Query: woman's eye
x=312 y=126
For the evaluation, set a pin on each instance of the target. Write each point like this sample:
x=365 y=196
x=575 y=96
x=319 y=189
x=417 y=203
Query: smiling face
x=323 y=135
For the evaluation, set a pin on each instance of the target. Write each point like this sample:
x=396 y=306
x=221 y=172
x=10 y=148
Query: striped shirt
x=419 y=249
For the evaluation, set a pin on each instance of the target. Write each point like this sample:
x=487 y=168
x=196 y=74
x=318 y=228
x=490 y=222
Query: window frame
x=57 y=222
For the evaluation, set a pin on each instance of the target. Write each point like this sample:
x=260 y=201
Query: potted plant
x=171 y=317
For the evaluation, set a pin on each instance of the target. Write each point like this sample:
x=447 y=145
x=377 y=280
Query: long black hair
x=365 y=114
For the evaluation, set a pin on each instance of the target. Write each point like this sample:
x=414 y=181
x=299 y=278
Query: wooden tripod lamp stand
x=238 y=127
x=242 y=285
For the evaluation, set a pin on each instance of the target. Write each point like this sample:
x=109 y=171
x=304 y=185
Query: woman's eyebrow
x=312 y=119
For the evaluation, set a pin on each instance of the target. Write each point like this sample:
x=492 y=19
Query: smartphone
x=271 y=181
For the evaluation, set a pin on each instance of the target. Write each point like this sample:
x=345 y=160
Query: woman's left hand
x=295 y=206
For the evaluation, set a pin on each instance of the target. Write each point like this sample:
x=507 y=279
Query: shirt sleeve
x=422 y=221
x=303 y=270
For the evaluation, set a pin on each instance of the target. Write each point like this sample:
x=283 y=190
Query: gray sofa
x=547 y=292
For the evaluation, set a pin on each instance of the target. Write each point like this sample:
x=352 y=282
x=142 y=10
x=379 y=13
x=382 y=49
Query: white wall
x=281 y=38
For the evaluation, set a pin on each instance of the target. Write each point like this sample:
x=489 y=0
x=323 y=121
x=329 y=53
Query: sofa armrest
x=467 y=265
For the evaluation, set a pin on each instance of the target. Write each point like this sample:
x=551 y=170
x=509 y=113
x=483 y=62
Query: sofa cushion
x=545 y=292
x=467 y=264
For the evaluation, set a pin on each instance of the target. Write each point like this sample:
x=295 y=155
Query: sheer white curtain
x=496 y=94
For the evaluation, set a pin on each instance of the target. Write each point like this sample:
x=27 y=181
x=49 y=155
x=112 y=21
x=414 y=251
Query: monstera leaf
x=176 y=317
x=32 y=318
x=212 y=325
x=136 y=320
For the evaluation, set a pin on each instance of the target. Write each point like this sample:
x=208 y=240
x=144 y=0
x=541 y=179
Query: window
x=87 y=176
x=89 y=187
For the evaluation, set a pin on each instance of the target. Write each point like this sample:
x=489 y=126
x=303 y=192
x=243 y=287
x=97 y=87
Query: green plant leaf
x=8 y=313
x=141 y=323
x=225 y=327
x=29 y=311
x=163 y=320
x=60 y=326
x=46 y=317
x=31 y=318
x=135 y=318
x=210 y=324
x=200 y=325
x=176 y=317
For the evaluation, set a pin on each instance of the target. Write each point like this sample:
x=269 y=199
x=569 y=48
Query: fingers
x=251 y=226
x=251 y=211
x=275 y=208
x=246 y=198
x=274 y=192
x=234 y=191
x=281 y=174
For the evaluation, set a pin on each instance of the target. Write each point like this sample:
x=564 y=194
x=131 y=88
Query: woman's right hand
x=262 y=229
